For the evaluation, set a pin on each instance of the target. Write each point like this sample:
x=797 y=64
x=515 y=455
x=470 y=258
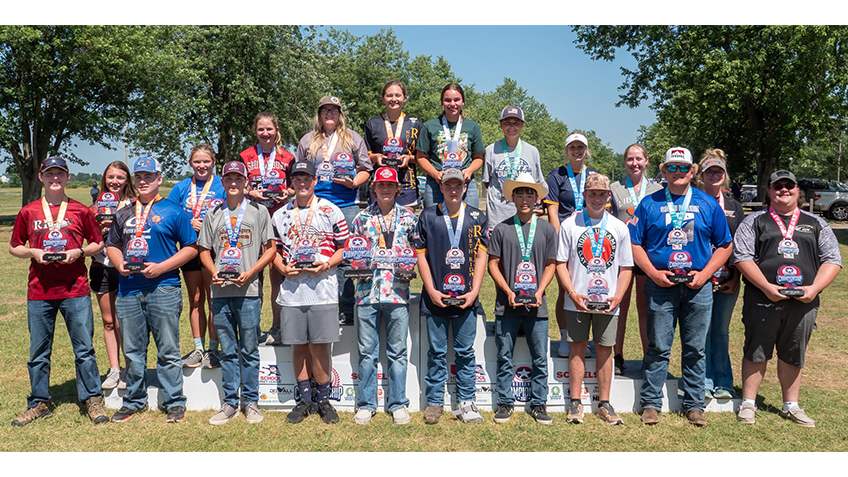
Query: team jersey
x=181 y=195
x=375 y=138
x=338 y=194
x=560 y=192
x=496 y=171
x=283 y=160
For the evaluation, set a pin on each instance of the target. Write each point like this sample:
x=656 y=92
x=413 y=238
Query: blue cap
x=54 y=161
x=146 y=164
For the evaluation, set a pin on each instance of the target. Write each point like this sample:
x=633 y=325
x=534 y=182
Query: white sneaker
x=113 y=377
x=564 y=348
x=223 y=416
x=400 y=416
x=468 y=412
x=253 y=414
x=363 y=416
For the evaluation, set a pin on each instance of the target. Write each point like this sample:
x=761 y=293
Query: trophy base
x=228 y=274
x=54 y=257
x=680 y=279
x=342 y=176
x=270 y=194
x=134 y=266
x=598 y=305
x=104 y=217
x=791 y=292
x=390 y=162
x=301 y=265
x=453 y=301
x=403 y=275
x=525 y=299
x=359 y=274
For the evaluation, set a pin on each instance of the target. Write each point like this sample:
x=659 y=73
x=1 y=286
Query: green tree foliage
x=757 y=92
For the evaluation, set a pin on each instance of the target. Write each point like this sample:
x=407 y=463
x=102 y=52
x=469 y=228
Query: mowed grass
x=823 y=395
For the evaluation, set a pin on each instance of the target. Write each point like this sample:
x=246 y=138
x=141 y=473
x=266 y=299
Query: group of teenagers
x=329 y=261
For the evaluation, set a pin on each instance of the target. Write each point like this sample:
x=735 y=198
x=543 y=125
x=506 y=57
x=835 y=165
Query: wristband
x=569 y=293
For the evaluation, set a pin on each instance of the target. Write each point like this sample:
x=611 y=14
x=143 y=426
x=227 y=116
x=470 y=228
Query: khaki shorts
x=577 y=324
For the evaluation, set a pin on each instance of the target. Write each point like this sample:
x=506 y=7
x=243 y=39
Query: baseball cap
x=147 y=164
x=512 y=112
x=452 y=174
x=781 y=174
x=678 y=155
x=234 y=166
x=713 y=162
x=303 y=167
x=576 y=137
x=386 y=174
x=597 y=182
x=54 y=161
x=335 y=101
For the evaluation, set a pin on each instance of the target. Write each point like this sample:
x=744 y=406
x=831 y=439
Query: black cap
x=303 y=167
x=54 y=161
x=782 y=174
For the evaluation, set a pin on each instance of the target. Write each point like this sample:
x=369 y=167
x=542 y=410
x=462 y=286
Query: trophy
x=525 y=285
x=680 y=263
x=304 y=254
x=597 y=291
x=357 y=250
x=405 y=264
x=137 y=252
x=790 y=276
x=452 y=161
x=325 y=171
x=54 y=246
x=107 y=203
x=384 y=258
x=273 y=184
x=454 y=286
x=343 y=165
x=392 y=148
x=231 y=260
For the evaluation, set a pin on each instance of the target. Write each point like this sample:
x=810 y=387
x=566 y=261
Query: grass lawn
x=823 y=395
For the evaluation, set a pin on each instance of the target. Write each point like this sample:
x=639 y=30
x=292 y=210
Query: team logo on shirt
x=584 y=248
x=326 y=210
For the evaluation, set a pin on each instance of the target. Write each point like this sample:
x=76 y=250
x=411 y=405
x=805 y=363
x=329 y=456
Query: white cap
x=678 y=155
x=576 y=137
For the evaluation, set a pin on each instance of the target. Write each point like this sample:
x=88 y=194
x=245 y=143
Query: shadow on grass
x=841 y=236
x=761 y=405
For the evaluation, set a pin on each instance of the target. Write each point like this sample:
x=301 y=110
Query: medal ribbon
x=326 y=151
x=48 y=216
x=721 y=200
x=596 y=239
x=309 y=216
x=263 y=162
x=455 y=134
x=512 y=164
x=678 y=217
x=526 y=247
x=141 y=217
x=643 y=187
x=197 y=208
x=234 y=230
x=578 y=192
x=381 y=224
x=454 y=234
x=787 y=233
x=399 y=127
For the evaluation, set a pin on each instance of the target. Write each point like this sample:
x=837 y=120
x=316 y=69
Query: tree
x=758 y=92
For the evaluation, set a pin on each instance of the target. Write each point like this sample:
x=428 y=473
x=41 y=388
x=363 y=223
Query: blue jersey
x=166 y=226
x=560 y=192
x=181 y=195
x=704 y=223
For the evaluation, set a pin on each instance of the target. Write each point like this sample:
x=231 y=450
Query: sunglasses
x=778 y=186
x=684 y=168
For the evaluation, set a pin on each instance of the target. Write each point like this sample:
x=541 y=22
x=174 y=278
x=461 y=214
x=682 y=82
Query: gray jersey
x=498 y=207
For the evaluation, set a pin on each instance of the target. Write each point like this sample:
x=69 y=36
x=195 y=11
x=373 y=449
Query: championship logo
x=455 y=258
x=789 y=275
x=525 y=281
x=584 y=249
x=55 y=242
x=343 y=165
x=324 y=171
x=336 y=390
x=521 y=383
x=136 y=246
x=452 y=161
x=680 y=261
x=356 y=247
x=384 y=258
x=454 y=283
x=598 y=288
x=269 y=374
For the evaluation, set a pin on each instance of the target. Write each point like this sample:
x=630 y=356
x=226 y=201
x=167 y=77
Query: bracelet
x=569 y=293
x=82 y=253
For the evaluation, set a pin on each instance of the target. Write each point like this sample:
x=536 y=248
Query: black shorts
x=192 y=265
x=637 y=272
x=785 y=325
x=103 y=279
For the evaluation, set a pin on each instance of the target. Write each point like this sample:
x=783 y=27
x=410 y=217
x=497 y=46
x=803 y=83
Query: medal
x=454 y=258
x=596 y=264
x=324 y=170
x=197 y=208
x=55 y=244
x=305 y=249
x=786 y=247
x=512 y=163
x=137 y=248
x=525 y=277
x=678 y=238
x=452 y=145
x=577 y=191
x=231 y=257
x=643 y=188
x=393 y=146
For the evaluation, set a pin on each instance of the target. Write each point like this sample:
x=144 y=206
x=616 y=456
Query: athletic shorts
x=577 y=324
x=192 y=265
x=103 y=279
x=785 y=325
x=309 y=324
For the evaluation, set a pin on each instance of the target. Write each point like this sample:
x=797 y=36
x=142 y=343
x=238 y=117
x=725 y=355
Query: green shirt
x=432 y=141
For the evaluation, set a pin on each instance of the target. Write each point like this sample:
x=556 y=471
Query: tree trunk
x=27 y=167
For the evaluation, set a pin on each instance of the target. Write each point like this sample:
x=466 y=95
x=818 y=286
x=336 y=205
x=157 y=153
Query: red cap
x=386 y=174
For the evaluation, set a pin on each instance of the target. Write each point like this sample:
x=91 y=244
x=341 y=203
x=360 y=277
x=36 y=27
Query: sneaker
x=650 y=416
x=273 y=338
x=210 y=360
x=328 y=412
x=122 y=381
x=696 y=418
x=468 y=413
x=708 y=394
x=301 y=411
x=175 y=414
x=721 y=393
x=798 y=416
x=564 y=348
x=540 y=414
x=747 y=413
x=607 y=414
x=618 y=365
x=223 y=416
x=113 y=377
x=345 y=318
x=432 y=414
x=40 y=410
x=575 y=412
x=504 y=413
x=125 y=413
x=94 y=409
x=193 y=359
x=252 y=414
x=401 y=416
x=363 y=416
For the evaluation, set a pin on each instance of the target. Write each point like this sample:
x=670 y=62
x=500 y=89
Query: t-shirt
x=431 y=236
x=575 y=247
x=283 y=160
x=433 y=141
x=255 y=231
x=495 y=169
x=338 y=194
x=704 y=223
x=329 y=229
x=53 y=281
x=181 y=195
x=101 y=256
x=375 y=138
x=166 y=226
x=622 y=204
x=560 y=192
x=504 y=244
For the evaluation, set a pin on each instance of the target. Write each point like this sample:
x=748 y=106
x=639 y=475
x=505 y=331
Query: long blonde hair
x=345 y=139
x=712 y=154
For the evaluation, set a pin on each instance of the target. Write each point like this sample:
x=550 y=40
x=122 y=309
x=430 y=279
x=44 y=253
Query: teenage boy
x=142 y=244
x=522 y=262
x=389 y=227
x=451 y=242
x=594 y=262
x=311 y=233
x=50 y=232
x=239 y=232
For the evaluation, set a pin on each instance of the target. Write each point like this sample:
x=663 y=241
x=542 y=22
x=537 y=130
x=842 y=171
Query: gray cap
x=333 y=100
x=781 y=174
x=512 y=112
x=452 y=174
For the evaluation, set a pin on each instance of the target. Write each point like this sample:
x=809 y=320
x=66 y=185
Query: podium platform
x=277 y=385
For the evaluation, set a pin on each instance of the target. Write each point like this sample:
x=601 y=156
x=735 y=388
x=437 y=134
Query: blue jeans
x=237 y=323
x=719 y=371
x=464 y=331
x=368 y=332
x=433 y=194
x=157 y=311
x=536 y=330
x=41 y=320
x=346 y=285
x=665 y=307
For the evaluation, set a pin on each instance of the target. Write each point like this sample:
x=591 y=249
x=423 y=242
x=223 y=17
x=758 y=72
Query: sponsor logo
x=336 y=389
x=521 y=384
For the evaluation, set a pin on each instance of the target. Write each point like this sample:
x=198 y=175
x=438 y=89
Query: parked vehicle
x=830 y=197
x=749 y=193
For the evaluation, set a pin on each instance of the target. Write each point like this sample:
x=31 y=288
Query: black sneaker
x=345 y=318
x=503 y=414
x=618 y=364
x=540 y=414
x=301 y=411
x=175 y=414
x=210 y=360
x=125 y=413
x=328 y=412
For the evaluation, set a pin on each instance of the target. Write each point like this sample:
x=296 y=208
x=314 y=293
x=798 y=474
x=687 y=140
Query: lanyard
x=141 y=217
x=597 y=238
x=721 y=200
x=578 y=193
x=309 y=216
x=526 y=247
x=234 y=230
x=787 y=233
x=643 y=187
x=263 y=162
x=512 y=163
x=677 y=218
x=452 y=144
x=381 y=224
x=454 y=234
x=197 y=208
x=48 y=216
x=398 y=128
x=325 y=150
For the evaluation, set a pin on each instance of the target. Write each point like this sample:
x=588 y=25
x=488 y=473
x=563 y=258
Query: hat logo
x=386 y=173
x=302 y=165
x=334 y=99
x=512 y=111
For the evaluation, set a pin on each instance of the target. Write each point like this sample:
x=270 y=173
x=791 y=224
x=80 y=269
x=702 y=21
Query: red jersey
x=282 y=163
x=53 y=281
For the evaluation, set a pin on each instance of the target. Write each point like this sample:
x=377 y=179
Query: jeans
x=368 y=333
x=719 y=371
x=41 y=320
x=464 y=332
x=237 y=323
x=536 y=330
x=157 y=311
x=665 y=307
x=433 y=194
x=346 y=285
